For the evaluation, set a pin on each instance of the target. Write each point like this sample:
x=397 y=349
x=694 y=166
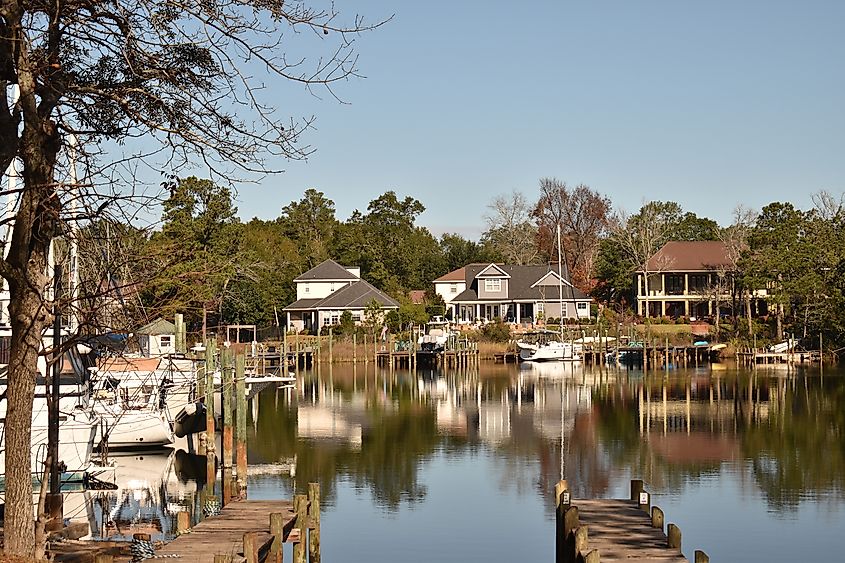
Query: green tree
x=199 y=248
x=458 y=252
x=310 y=223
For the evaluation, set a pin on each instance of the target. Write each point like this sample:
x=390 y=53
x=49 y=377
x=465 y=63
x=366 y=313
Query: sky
x=710 y=104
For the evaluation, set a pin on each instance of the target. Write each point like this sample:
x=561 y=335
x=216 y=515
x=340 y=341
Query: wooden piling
x=636 y=488
x=657 y=518
x=183 y=522
x=300 y=507
x=673 y=537
x=314 y=522
x=226 y=394
x=581 y=541
x=277 y=524
x=104 y=558
x=592 y=557
x=251 y=546
x=240 y=429
x=354 y=348
x=210 y=466
x=222 y=558
x=331 y=359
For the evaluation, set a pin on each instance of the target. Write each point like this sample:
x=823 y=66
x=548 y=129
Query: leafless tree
x=137 y=87
x=510 y=230
x=639 y=237
x=735 y=238
x=582 y=214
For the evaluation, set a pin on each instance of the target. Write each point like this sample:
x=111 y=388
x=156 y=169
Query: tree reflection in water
x=376 y=431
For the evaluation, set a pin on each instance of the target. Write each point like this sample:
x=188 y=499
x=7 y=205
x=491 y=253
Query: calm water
x=446 y=466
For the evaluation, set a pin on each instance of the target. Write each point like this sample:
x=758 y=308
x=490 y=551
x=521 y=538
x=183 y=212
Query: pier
x=609 y=530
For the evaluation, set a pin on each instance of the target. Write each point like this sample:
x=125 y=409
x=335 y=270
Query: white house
x=328 y=289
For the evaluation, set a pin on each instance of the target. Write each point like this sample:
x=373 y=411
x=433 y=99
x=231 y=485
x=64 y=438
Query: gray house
x=513 y=293
x=328 y=289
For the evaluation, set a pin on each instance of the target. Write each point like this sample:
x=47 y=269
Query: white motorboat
x=437 y=335
x=546 y=347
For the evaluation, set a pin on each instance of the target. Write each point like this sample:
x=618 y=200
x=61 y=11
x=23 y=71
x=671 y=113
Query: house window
x=453 y=288
x=581 y=305
x=166 y=341
x=541 y=307
x=331 y=318
x=494 y=285
x=306 y=288
x=331 y=286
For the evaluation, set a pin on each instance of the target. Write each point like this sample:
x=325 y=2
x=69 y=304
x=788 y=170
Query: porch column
x=663 y=283
x=287 y=326
x=314 y=326
x=477 y=311
x=663 y=308
x=686 y=287
x=686 y=308
x=516 y=315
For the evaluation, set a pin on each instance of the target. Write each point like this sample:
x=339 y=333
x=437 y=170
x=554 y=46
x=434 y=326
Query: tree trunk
x=25 y=267
x=779 y=316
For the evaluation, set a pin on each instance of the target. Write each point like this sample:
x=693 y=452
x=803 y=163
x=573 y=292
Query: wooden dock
x=611 y=530
x=223 y=535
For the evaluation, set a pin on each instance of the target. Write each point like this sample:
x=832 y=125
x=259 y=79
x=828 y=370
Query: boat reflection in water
x=141 y=493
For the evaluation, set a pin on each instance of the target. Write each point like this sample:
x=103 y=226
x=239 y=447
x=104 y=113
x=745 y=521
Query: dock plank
x=623 y=532
x=223 y=534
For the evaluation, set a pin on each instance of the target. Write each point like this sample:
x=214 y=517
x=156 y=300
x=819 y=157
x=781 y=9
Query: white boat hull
x=549 y=352
x=136 y=429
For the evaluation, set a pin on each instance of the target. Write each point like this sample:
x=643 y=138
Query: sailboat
x=549 y=346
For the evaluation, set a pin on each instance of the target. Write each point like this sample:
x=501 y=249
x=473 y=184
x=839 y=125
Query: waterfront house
x=690 y=279
x=517 y=294
x=328 y=289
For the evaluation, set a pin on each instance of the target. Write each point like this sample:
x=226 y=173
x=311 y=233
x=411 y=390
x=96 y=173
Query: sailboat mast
x=560 y=280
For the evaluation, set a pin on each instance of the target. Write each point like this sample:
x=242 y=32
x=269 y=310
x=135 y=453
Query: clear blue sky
x=709 y=104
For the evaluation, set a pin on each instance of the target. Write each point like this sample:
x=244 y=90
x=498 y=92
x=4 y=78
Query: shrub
x=496 y=331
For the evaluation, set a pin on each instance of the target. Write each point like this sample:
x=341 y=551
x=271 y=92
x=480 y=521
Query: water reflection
x=776 y=438
x=151 y=488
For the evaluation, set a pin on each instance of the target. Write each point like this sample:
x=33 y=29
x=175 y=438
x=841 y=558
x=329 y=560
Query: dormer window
x=493 y=285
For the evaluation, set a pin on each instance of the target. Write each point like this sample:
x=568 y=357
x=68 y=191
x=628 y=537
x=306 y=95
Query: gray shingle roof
x=328 y=270
x=356 y=295
x=519 y=284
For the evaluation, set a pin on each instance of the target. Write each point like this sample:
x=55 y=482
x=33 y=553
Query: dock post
x=366 y=357
x=251 y=547
x=104 y=558
x=183 y=522
x=701 y=557
x=210 y=466
x=331 y=358
x=296 y=356
x=277 y=524
x=581 y=542
x=226 y=392
x=222 y=558
x=593 y=557
x=314 y=522
x=673 y=537
x=240 y=429
x=636 y=488
x=354 y=348
x=300 y=507
x=657 y=518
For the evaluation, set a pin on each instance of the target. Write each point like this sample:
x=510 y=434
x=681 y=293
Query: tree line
x=205 y=262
